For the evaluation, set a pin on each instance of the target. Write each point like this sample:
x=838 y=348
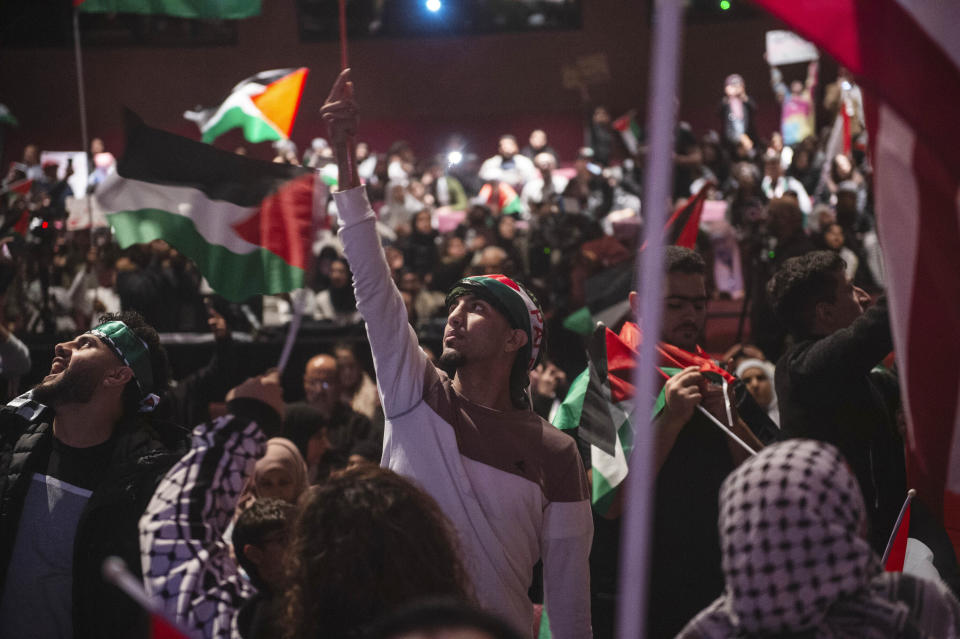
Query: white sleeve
x=567 y=535
x=400 y=364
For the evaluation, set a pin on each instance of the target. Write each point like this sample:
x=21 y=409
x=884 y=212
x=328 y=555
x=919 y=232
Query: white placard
x=77 y=181
x=786 y=47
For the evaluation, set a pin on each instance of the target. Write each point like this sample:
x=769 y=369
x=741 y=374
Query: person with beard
x=79 y=461
x=692 y=457
x=337 y=303
x=508 y=165
x=512 y=485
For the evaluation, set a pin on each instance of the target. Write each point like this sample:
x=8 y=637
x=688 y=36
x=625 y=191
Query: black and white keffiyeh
x=795 y=560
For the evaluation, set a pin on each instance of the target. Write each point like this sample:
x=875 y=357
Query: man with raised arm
x=512 y=485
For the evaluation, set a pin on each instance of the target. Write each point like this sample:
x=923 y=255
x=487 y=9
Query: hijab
x=281 y=454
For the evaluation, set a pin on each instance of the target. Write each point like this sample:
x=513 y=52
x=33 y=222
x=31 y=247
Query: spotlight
x=454 y=157
x=724 y=4
x=433 y=5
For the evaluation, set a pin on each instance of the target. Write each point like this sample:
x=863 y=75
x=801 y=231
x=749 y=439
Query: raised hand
x=340 y=114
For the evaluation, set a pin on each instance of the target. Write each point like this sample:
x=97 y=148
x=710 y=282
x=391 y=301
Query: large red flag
x=907 y=59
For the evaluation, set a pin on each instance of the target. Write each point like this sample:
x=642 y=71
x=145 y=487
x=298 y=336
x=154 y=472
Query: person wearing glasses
x=323 y=426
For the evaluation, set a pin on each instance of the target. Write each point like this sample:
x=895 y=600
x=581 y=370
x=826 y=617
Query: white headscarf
x=773 y=408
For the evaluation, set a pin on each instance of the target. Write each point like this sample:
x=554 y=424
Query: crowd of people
x=431 y=493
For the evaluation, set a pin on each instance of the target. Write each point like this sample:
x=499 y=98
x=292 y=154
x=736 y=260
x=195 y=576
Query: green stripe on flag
x=202 y=9
x=579 y=321
x=662 y=398
x=544 y=625
x=254 y=129
x=513 y=207
x=6 y=117
x=568 y=414
x=233 y=275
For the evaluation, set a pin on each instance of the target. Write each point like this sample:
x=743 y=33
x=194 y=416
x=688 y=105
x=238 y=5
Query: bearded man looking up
x=79 y=461
x=513 y=486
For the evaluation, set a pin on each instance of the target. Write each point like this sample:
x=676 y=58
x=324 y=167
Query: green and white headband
x=133 y=352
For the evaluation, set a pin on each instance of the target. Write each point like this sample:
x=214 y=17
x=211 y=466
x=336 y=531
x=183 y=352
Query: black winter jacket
x=108 y=523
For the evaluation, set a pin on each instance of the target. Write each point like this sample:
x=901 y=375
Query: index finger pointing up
x=341 y=88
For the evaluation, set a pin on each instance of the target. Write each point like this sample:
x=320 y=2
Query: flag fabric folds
x=264 y=106
x=896 y=552
x=199 y=9
x=503 y=196
x=684 y=224
x=6 y=117
x=599 y=403
x=606 y=298
x=906 y=58
x=630 y=132
x=246 y=223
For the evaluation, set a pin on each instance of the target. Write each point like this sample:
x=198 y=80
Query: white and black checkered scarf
x=795 y=561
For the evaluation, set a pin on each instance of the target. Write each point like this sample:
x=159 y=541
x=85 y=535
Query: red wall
x=420 y=90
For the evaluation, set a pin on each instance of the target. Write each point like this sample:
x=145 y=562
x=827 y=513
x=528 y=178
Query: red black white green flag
x=246 y=223
x=264 y=106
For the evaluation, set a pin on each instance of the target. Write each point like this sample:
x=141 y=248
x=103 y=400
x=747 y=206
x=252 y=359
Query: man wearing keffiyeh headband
x=79 y=460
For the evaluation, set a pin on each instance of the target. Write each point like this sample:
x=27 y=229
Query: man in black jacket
x=79 y=461
x=824 y=384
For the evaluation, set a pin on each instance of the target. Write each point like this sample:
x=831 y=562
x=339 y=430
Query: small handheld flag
x=264 y=105
x=896 y=551
x=116 y=572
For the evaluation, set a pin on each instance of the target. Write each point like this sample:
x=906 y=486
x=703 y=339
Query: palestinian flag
x=246 y=223
x=6 y=117
x=682 y=227
x=599 y=403
x=502 y=196
x=630 y=132
x=684 y=223
x=196 y=9
x=606 y=299
x=264 y=105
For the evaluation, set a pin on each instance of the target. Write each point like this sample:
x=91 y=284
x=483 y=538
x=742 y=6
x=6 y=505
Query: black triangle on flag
x=596 y=424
